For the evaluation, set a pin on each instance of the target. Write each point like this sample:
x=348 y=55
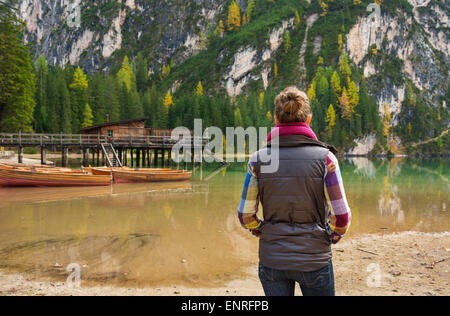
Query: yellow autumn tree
x=203 y=42
x=312 y=91
x=336 y=83
x=234 y=16
x=168 y=100
x=298 y=20
x=275 y=70
x=340 y=42
x=387 y=120
x=269 y=117
x=324 y=7
x=125 y=74
x=356 y=2
x=199 y=89
x=344 y=103
x=331 y=120
x=409 y=129
x=80 y=80
x=165 y=71
x=261 y=99
x=353 y=95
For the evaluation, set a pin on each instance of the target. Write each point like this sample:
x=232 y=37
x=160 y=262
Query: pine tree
x=87 y=117
x=59 y=108
x=41 y=109
x=141 y=73
x=111 y=97
x=234 y=16
x=97 y=95
x=251 y=6
x=17 y=80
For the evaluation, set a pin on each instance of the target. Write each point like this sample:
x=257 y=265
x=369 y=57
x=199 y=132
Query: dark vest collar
x=301 y=140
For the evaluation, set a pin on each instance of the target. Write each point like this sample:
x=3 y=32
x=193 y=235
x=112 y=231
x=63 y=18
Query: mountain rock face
x=414 y=40
x=164 y=29
x=425 y=52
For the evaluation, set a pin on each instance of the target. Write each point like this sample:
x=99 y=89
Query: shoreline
x=409 y=263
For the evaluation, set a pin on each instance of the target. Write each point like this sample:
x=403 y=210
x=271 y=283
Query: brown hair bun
x=292 y=105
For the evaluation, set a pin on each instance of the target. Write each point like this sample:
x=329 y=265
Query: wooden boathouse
x=125 y=143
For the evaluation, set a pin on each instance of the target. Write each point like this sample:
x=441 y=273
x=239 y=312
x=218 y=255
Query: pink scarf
x=293 y=129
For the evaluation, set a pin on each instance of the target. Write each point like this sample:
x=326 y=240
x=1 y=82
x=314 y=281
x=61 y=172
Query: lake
x=188 y=233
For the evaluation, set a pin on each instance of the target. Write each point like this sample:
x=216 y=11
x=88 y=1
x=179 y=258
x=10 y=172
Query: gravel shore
x=415 y=264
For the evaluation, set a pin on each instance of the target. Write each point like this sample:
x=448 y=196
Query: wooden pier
x=99 y=150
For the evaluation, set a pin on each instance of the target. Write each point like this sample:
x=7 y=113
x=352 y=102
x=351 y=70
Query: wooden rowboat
x=29 y=178
x=136 y=176
x=108 y=170
x=38 y=168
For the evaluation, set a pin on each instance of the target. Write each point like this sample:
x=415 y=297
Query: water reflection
x=188 y=233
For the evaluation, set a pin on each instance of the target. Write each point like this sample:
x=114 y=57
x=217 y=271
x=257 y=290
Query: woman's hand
x=331 y=168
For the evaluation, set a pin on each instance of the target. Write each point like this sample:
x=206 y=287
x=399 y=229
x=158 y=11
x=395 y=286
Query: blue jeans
x=282 y=283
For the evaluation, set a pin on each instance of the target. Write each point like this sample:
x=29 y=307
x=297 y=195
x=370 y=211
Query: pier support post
x=138 y=158
x=20 y=155
x=150 y=157
x=43 y=156
x=155 y=158
x=144 y=158
x=103 y=158
x=98 y=157
x=88 y=151
x=85 y=154
x=125 y=157
x=65 y=157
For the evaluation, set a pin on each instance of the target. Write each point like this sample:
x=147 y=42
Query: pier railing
x=84 y=140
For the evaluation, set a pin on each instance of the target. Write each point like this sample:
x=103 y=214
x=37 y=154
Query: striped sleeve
x=249 y=205
x=340 y=216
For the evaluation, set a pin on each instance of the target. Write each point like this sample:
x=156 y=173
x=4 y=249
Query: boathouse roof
x=124 y=122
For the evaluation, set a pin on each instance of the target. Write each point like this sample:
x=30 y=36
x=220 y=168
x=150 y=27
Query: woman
x=304 y=204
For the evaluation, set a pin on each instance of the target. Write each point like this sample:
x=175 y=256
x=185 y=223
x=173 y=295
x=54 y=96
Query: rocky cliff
x=411 y=44
x=162 y=29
